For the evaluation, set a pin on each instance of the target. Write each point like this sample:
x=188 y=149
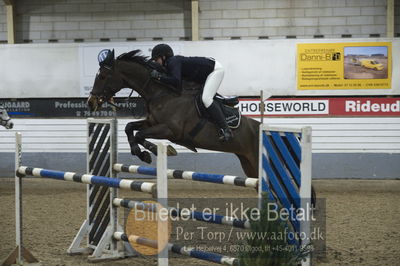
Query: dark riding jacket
x=194 y=69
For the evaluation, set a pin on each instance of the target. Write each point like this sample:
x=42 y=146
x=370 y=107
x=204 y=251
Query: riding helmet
x=162 y=50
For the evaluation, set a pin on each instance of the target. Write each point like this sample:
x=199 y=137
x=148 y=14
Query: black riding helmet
x=162 y=50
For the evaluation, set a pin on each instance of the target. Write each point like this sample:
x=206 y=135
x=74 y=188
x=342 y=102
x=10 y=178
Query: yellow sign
x=333 y=66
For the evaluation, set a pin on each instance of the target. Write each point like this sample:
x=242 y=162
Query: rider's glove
x=155 y=74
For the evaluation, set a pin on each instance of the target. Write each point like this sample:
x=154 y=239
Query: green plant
x=268 y=244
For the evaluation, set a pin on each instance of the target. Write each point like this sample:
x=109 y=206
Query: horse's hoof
x=153 y=150
x=171 y=151
x=135 y=151
x=145 y=157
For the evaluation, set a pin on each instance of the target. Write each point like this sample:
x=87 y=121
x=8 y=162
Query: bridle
x=104 y=97
x=4 y=122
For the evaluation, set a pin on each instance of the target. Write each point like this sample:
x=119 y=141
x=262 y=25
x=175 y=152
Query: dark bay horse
x=169 y=115
x=5 y=120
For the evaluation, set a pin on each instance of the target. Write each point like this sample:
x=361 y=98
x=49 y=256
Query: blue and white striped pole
x=189 y=175
x=175 y=212
x=89 y=179
x=188 y=251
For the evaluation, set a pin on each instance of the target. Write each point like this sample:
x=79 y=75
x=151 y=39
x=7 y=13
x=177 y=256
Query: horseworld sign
x=285 y=107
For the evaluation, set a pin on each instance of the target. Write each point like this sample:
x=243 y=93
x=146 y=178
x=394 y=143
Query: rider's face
x=159 y=60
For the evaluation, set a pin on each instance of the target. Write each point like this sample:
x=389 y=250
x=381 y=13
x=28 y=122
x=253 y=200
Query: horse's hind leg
x=248 y=167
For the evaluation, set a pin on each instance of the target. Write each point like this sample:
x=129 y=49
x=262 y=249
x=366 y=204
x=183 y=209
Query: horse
x=170 y=115
x=5 y=119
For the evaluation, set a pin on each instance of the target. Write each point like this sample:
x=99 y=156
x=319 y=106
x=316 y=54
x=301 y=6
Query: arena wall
x=58 y=70
x=121 y=20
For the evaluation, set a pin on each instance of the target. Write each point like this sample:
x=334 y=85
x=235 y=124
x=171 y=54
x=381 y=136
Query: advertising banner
x=278 y=107
x=71 y=108
x=344 y=66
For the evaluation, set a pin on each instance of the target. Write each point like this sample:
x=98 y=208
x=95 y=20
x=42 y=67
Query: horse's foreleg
x=147 y=145
x=134 y=142
x=129 y=129
x=160 y=131
x=153 y=148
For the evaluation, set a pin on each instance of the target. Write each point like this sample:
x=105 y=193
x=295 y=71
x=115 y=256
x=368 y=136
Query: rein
x=146 y=84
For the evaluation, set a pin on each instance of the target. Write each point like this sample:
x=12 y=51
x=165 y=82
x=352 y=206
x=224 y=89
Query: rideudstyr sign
x=356 y=106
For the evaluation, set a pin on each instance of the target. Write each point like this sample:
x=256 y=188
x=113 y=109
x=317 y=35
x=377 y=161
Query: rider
x=203 y=70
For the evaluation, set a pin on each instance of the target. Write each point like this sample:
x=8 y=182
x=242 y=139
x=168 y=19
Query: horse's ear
x=112 y=54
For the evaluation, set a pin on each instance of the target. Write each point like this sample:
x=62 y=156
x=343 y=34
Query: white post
x=18 y=198
x=260 y=167
x=305 y=188
x=162 y=198
x=262 y=106
x=264 y=95
x=116 y=246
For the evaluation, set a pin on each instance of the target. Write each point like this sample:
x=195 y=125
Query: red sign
x=356 y=106
x=365 y=106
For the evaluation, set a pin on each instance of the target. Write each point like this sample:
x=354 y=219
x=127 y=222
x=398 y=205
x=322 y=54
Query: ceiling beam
x=390 y=18
x=10 y=21
x=195 y=20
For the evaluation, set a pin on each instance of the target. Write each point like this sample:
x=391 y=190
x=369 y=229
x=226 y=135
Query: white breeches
x=212 y=84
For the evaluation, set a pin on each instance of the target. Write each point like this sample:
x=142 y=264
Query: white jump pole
x=162 y=196
x=18 y=198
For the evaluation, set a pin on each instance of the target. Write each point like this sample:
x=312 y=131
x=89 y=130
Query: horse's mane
x=136 y=56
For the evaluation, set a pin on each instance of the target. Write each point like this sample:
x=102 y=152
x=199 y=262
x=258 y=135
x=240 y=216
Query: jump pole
x=175 y=212
x=189 y=175
x=178 y=249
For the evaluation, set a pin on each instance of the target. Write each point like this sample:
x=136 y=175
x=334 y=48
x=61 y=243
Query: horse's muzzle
x=94 y=103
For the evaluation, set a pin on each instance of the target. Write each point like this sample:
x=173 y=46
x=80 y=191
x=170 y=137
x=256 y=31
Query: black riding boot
x=225 y=133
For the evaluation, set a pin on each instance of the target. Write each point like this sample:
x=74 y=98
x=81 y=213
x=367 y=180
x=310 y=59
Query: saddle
x=227 y=105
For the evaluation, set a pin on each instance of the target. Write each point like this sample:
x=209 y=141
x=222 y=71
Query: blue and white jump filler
x=285 y=173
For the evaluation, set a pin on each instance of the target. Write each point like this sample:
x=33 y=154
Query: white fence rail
x=330 y=135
